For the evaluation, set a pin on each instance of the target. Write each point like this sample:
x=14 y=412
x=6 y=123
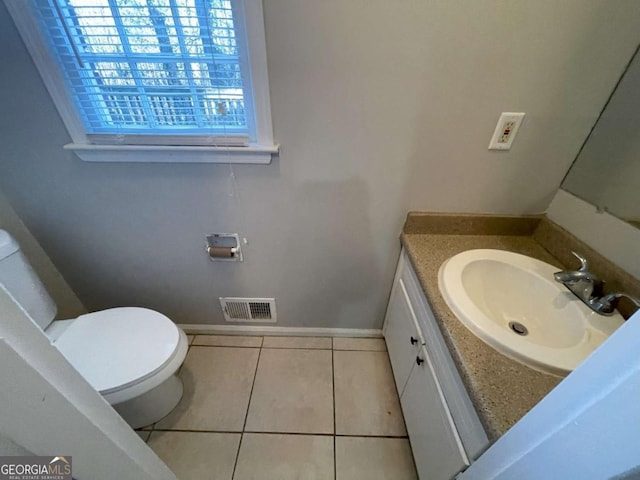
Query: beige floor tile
x=228 y=341
x=217 y=387
x=190 y=339
x=283 y=457
x=367 y=344
x=293 y=392
x=365 y=395
x=197 y=455
x=143 y=434
x=360 y=458
x=297 y=342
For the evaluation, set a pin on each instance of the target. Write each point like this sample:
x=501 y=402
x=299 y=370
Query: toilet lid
x=116 y=348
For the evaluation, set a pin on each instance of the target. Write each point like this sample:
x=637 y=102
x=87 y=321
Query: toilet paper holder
x=224 y=247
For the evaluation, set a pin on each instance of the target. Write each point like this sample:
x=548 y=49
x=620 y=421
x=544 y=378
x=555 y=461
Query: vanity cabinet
x=443 y=427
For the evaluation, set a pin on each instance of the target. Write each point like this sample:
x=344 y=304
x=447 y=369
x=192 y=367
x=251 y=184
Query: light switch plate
x=506 y=130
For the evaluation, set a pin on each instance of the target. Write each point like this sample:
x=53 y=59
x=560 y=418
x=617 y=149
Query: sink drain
x=519 y=328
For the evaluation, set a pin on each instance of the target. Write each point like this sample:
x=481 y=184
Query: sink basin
x=511 y=302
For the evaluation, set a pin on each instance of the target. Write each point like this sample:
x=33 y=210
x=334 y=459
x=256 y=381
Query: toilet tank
x=23 y=284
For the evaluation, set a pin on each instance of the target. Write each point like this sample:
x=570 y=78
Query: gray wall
x=69 y=306
x=380 y=107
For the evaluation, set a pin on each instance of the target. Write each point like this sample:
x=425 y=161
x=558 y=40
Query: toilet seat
x=118 y=348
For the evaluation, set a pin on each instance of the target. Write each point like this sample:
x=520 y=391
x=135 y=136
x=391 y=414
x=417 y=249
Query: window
x=135 y=78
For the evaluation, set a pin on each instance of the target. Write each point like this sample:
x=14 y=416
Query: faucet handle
x=584 y=266
x=606 y=304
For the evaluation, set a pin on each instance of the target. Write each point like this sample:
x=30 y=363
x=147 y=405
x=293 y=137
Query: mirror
x=606 y=172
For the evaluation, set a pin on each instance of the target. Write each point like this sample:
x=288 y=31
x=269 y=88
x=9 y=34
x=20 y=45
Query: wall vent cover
x=254 y=310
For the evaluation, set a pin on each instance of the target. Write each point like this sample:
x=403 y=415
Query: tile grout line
x=296 y=348
x=246 y=415
x=288 y=348
x=332 y=347
x=185 y=430
x=235 y=464
x=257 y=432
x=253 y=384
x=226 y=346
x=333 y=386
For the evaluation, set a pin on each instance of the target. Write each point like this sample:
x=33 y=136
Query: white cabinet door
x=401 y=335
x=436 y=447
x=466 y=419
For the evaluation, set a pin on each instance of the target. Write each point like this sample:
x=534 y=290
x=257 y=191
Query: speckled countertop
x=502 y=390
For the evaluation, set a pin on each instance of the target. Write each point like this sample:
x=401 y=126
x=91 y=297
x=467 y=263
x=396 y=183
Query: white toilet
x=130 y=355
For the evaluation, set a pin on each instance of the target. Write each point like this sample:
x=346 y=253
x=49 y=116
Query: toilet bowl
x=130 y=355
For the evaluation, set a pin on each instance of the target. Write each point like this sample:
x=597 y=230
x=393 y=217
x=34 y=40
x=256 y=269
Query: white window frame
x=256 y=153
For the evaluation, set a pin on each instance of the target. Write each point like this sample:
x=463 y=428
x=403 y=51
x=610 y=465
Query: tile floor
x=285 y=408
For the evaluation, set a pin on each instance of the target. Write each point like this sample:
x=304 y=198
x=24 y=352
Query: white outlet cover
x=506 y=130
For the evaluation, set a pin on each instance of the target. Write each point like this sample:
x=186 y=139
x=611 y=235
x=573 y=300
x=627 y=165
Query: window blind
x=153 y=71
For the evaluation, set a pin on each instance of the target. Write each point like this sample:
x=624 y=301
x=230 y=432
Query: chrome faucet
x=588 y=288
x=582 y=283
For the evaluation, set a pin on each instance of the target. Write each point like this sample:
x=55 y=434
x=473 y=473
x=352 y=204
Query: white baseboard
x=280 y=331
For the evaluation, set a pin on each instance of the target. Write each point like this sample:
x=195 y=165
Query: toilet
x=130 y=355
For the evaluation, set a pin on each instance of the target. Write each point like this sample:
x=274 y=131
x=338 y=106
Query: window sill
x=254 y=154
